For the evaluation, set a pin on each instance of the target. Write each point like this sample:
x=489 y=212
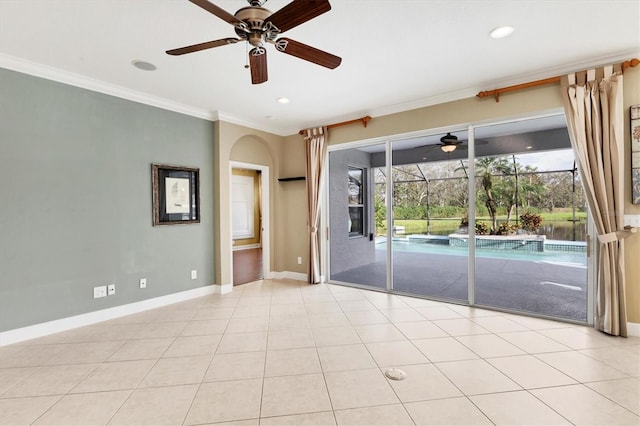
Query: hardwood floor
x=247 y=266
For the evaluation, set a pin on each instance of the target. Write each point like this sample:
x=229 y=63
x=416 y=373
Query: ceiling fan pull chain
x=246 y=55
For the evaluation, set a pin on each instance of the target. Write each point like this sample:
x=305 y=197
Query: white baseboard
x=64 y=324
x=223 y=288
x=290 y=275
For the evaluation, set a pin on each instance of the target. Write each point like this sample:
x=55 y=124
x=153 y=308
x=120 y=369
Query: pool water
x=567 y=258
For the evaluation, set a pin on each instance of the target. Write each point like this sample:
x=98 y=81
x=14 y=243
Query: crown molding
x=424 y=102
x=77 y=80
x=61 y=76
x=522 y=78
x=576 y=66
x=241 y=122
x=66 y=77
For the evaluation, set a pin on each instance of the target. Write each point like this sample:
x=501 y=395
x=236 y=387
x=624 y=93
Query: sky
x=549 y=160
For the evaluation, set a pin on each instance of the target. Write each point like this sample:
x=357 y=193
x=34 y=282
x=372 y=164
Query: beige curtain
x=594 y=110
x=316 y=150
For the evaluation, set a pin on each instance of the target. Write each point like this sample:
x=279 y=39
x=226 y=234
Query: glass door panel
x=530 y=250
x=430 y=201
x=357 y=216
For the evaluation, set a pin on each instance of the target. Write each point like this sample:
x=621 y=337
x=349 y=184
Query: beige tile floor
x=282 y=352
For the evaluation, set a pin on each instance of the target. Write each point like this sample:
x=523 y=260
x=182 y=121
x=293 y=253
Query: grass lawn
x=446 y=226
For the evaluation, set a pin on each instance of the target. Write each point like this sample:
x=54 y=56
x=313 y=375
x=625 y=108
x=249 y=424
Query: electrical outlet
x=99 y=291
x=299 y=260
x=143 y=283
x=111 y=289
x=194 y=274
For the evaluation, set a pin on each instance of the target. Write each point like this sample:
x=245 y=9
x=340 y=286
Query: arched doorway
x=249 y=201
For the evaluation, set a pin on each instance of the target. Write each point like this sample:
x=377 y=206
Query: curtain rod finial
x=630 y=63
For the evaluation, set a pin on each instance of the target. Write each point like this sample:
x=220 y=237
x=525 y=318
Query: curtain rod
x=496 y=92
x=363 y=120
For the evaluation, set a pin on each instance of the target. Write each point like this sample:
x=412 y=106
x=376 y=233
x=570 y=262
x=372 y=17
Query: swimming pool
x=551 y=254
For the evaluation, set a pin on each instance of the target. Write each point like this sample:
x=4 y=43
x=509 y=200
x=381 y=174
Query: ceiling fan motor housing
x=256 y=32
x=449 y=139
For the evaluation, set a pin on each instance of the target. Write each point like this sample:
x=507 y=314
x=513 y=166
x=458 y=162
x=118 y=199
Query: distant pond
x=563 y=230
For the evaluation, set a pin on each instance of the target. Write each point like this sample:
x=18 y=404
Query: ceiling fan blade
x=466 y=142
x=220 y=13
x=258 y=65
x=308 y=53
x=202 y=46
x=298 y=12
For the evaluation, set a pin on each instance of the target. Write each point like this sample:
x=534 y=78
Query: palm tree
x=486 y=168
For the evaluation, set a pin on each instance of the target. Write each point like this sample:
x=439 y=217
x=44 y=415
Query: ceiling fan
x=449 y=143
x=258 y=26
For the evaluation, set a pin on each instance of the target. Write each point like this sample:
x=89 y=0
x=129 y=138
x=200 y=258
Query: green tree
x=380 y=213
x=486 y=168
x=518 y=185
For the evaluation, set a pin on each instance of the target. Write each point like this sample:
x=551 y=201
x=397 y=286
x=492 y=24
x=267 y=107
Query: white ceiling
x=396 y=54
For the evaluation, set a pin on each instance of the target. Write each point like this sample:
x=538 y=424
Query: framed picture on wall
x=635 y=154
x=176 y=194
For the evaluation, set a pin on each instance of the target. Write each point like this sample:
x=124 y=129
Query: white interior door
x=242 y=206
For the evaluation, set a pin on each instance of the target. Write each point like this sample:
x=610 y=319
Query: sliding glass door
x=357 y=216
x=531 y=218
x=401 y=218
x=430 y=201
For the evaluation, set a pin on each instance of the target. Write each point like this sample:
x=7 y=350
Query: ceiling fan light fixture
x=448 y=148
x=501 y=32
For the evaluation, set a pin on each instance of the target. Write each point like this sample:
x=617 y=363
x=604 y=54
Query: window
x=356 y=201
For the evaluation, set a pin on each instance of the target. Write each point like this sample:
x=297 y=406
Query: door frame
x=592 y=258
x=265 y=220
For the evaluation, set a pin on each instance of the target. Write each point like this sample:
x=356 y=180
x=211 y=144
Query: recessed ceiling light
x=143 y=65
x=501 y=32
x=283 y=100
x=529 y=147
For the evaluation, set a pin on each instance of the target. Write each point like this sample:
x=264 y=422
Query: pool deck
x=544 y=288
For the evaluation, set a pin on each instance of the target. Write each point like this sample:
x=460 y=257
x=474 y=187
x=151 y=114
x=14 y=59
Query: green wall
x=75 y=201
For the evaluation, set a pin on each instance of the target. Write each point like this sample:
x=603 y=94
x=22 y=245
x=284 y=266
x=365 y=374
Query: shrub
x=530 y=222
x=380 y=214
x=505 y=229
x=481 y=228
x=409 y=212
